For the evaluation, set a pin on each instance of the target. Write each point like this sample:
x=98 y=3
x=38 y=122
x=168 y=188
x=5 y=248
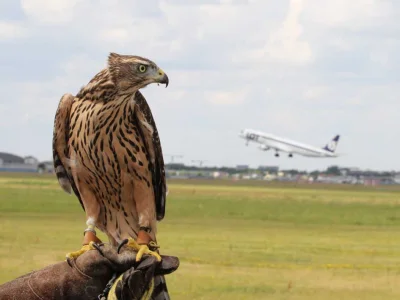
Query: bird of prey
x=106 y=149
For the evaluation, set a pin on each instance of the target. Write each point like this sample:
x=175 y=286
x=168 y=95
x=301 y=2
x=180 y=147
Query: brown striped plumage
x=106 y=149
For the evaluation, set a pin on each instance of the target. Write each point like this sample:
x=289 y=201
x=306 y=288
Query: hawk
x=106 y=149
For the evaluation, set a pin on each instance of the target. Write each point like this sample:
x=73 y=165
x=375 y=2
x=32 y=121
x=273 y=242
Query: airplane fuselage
x=269 y=141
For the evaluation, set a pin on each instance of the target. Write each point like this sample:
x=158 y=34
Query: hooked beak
x=162 y=77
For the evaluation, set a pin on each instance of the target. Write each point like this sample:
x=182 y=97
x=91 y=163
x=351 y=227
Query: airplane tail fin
x=331 y=146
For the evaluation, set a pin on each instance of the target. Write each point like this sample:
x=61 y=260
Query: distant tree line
x=331 y=170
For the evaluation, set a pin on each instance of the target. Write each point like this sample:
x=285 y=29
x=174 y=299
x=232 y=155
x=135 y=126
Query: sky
x=302 y=69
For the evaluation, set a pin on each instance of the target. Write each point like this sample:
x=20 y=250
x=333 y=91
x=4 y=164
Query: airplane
x=268 y=141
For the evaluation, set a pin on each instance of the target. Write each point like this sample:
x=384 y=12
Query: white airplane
x=268 y=141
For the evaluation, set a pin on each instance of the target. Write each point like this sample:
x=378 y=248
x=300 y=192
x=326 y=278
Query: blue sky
x=302 y=69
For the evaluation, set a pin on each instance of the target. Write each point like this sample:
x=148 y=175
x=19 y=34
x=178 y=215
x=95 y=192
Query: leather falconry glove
x=100 y=273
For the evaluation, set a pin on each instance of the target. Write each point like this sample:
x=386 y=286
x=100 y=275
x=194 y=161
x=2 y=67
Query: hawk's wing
x=60 y=146
x=148 y=129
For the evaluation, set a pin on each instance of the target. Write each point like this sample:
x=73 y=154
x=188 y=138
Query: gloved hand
x=88 y=277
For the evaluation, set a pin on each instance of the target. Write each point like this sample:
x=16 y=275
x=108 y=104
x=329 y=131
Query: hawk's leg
x=92 y=210
x=89 y=236
x=145 y=242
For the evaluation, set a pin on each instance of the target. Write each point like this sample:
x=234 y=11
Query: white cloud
x=11 y=30
x=316 y=92
x=349 y=14
x=77 y=64
x=114 y=35
x=54 y=11
x=226 y=97
x=340 y=43
x=379 y=57
x=285 y=45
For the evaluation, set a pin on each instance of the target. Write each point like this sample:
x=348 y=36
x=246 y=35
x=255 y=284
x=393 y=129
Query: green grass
x=235 y=240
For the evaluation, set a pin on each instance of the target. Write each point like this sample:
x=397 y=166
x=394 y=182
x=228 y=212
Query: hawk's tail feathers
x=62 y=175
x=60 y=141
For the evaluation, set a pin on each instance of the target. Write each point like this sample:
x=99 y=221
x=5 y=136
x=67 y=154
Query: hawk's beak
x=162 y=77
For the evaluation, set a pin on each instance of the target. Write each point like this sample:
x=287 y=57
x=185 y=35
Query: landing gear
x=290 y=155
x=276 y=154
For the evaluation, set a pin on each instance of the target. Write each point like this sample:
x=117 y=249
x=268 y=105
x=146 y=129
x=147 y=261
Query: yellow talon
x=142 y=249
x=78 y=253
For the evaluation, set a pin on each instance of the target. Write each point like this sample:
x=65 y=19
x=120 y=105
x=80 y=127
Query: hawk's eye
x=142 y=68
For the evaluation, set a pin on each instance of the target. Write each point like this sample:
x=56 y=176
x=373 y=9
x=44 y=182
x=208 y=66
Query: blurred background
x=245 y=224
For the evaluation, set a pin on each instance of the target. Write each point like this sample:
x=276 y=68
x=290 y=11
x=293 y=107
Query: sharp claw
x=97 y=247
x=124 y=242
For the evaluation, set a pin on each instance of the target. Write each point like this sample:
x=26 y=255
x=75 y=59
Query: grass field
x=234 y=241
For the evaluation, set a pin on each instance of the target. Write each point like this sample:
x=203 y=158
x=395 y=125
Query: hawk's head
x=134 y=72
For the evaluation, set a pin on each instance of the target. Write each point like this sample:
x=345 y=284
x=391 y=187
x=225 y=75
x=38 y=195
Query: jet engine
x=263 y=148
